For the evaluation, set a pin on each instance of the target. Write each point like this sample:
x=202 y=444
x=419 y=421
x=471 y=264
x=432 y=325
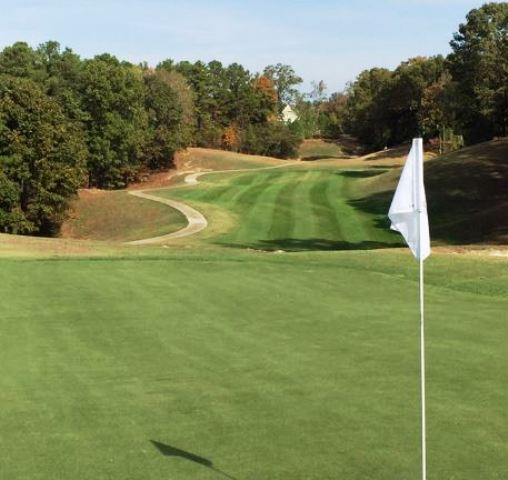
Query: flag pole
x=422 y=366
x=408 y=215
x=422 y=306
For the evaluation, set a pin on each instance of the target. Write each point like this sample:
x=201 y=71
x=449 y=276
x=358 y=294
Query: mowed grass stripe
x=363 y=226
x=306 y=225
x=217 y=190
x=283 y=216
x=248 y=197
x=256 y=219
x=351 y=224
x=324 y=205
x=245 y=195
x=232 y=185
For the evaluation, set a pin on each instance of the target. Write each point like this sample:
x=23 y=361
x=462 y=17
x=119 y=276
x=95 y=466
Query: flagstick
x=422 y=361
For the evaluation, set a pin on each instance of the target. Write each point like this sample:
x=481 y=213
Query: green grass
x=280 y=366
x=293 y=366
x=289 y=209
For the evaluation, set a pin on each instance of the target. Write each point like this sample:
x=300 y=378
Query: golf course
x=279 y=342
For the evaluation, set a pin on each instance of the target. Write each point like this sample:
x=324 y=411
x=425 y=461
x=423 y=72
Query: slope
x=467 y=194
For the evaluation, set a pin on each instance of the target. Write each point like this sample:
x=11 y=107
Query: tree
x=20 y=60
x=61 y=77
x=266 y=106
x=285 y=79
x=164 y=119
x=367 y=105
x=42 y=157
x=479 y=66
x=112 y=95
x=404 y=96
x=333 y=115
x=438 y=106
x=386 y=108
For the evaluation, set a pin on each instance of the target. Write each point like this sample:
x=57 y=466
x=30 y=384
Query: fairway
x=270 y=366
x=291 y=209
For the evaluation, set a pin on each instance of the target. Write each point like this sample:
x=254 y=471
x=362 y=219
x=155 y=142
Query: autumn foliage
x=231 y=138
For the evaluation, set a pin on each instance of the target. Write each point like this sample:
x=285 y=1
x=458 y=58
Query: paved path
x=196 y=221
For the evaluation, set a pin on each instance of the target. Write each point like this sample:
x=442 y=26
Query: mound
x=467 y=194
x=117 y=216
x=194 y=159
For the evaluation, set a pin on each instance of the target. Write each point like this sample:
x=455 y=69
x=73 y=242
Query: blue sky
x=322 y=39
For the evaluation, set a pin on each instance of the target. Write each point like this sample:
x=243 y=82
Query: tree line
x=463 y=95
x=67 y=122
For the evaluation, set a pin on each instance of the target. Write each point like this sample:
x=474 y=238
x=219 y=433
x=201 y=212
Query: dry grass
x=196 y=159
x=118 y=216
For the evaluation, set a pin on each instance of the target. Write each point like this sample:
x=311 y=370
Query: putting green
x=301 y=366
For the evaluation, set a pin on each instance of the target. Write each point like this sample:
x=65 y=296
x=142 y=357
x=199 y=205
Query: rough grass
x=319 y=149
x=314 y=149
x=208 y=159
x=118 y=216
x=467 y=194
x=289 y=366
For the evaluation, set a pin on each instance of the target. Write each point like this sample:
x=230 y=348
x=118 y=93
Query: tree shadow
x=169 y=451
x=467 y=197
x=361 y=173
x=312 y=158
x=313 y=244
x=348 y=144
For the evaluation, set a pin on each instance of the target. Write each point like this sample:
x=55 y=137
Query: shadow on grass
x=361 y=173
x=313 y=244
x=312 y=158
x=467 y=196
x=348 y=144
x=169 y=451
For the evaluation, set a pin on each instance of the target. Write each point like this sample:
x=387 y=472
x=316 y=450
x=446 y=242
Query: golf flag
x=408 y=211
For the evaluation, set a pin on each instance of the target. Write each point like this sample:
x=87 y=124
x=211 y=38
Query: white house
x=289 y=115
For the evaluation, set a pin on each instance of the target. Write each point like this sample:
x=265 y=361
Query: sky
x=330 y=40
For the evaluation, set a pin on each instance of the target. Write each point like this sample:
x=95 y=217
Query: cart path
x=196 y=221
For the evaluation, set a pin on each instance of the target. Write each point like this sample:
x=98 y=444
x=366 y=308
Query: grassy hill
x=118 y=216
x=467 y=194
x=209 y=159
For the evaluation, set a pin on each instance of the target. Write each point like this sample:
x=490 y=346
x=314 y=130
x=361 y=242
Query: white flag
x=408 y=211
